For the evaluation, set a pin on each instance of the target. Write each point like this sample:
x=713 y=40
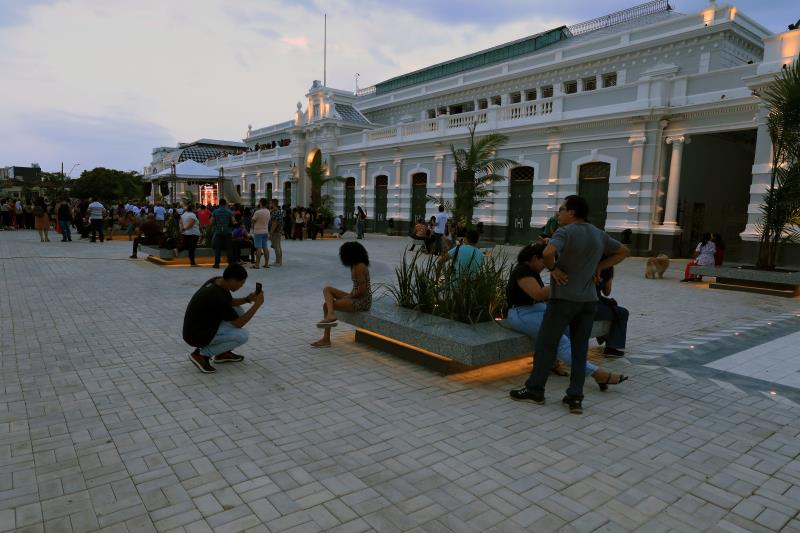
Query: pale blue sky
x=102 y=82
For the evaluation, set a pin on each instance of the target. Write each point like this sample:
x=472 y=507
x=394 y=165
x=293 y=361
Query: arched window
x=593 y=186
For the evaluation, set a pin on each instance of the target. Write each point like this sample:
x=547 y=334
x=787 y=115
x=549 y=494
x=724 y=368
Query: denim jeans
x=222 y=241
x=66 y=235
x=619 y=325
x=228 y=338
x=560 y=314
x=528 y=320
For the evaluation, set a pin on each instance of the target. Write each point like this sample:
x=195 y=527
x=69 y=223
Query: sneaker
x=574 y=404
x=613 y=352
x=202 y=363
x=228 y=357
x=536 y=397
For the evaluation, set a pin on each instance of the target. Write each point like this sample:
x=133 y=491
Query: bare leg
x=325 y=340
x=258 y=257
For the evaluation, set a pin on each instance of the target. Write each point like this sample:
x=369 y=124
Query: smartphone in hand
x=259 y=288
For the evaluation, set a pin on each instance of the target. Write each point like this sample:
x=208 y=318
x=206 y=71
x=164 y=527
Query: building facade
x=651 y=114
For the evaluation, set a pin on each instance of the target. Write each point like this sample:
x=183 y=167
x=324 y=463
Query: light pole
x=73 y=168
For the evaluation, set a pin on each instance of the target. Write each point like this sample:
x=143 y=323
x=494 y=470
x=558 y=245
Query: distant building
x=200 y=151
x=20 y=173
x=650 y=114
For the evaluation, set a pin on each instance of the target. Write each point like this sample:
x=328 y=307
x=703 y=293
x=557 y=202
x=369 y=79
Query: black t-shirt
x=64 y=212
x=207 y=309
x=515 y=296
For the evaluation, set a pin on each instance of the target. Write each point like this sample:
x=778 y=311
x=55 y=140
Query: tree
x=316 y=173
x=476 y=171
x=54 y=185
x=781 y=208
x=109 y=185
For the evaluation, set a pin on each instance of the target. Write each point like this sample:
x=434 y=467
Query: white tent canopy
x=188 y=169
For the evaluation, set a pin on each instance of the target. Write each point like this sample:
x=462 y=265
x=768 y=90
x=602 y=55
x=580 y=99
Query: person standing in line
x=439 y=230
x=190 y=230
x=41 y=218
x=260 y=222
x=64 y=214
x=275 y=223
x=96 y=213
x=214 y=321
x=222 y=221
x=160 y=213
x=361 y=221
x=573 y=258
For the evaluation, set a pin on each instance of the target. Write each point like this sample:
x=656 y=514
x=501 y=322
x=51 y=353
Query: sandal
x=604 y=386
x=318 y=344
x=328 y=323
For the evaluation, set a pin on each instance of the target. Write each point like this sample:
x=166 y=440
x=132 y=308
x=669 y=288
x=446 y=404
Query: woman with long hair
x=354 y=256
x=703 y=256
x=41 y=219
x=526 y=295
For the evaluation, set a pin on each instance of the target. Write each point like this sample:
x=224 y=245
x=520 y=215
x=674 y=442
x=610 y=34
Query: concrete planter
x=394 y=328
x=775 y=283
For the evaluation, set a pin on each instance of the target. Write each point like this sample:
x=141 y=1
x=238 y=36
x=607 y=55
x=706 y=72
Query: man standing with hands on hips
x=214 y=322
x=573 y=257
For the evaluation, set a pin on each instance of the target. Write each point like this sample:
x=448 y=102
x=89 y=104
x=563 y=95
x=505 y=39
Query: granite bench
x=468 y=344
x=772 y=282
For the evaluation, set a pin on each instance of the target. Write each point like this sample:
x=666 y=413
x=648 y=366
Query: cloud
x=159 y=72
x=50 y=137
x=300 y=41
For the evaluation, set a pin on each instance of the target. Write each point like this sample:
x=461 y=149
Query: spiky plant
x=477 y=168
x=316 y=173
x=781 y=207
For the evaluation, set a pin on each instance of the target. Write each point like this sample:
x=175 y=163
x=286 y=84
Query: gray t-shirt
x=580 y=247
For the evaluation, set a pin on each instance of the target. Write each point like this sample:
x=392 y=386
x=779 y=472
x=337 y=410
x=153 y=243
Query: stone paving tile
x=105 y=425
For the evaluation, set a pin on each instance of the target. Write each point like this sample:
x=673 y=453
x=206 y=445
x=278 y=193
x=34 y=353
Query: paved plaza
x=106 y=425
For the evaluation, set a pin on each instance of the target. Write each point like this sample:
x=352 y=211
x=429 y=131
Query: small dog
x=656 y=265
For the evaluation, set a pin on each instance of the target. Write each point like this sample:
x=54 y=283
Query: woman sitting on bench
x=354 y=256
x=526 y=294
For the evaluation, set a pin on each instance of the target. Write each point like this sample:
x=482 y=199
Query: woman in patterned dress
x=354 y=256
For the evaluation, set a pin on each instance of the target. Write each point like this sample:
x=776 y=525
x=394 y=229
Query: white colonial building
x=651 y=114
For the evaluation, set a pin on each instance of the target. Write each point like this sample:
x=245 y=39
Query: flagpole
x=325 y=54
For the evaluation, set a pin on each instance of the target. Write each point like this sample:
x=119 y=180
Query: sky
x=103 y=82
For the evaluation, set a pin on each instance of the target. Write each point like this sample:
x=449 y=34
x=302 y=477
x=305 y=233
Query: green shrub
x=425 y=284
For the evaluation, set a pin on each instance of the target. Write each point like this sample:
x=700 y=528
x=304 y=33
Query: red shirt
x=204 y=216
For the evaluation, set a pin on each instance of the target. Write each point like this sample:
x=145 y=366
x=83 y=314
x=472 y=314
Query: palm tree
x=781 y=207
x=476 y=171
x=316 y=174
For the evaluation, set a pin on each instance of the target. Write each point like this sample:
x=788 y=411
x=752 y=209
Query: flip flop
x=328 y=323
x=315 y=345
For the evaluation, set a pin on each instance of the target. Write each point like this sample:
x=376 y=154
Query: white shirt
x=441 y=223
x=95 y=210
x=185 y=218
x=260 y=221
x=706 y=257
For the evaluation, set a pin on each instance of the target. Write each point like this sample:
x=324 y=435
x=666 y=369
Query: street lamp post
x=73 y=168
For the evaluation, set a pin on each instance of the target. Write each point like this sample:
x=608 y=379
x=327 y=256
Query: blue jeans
x=66 y=235
x=528 y=320
x=227 y=338
x=559 y=315
x=619 y=324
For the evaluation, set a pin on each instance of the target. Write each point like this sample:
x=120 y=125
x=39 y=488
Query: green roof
x=497 y=54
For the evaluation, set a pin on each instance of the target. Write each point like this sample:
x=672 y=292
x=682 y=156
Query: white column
x=398 y=164
x=673 y=186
